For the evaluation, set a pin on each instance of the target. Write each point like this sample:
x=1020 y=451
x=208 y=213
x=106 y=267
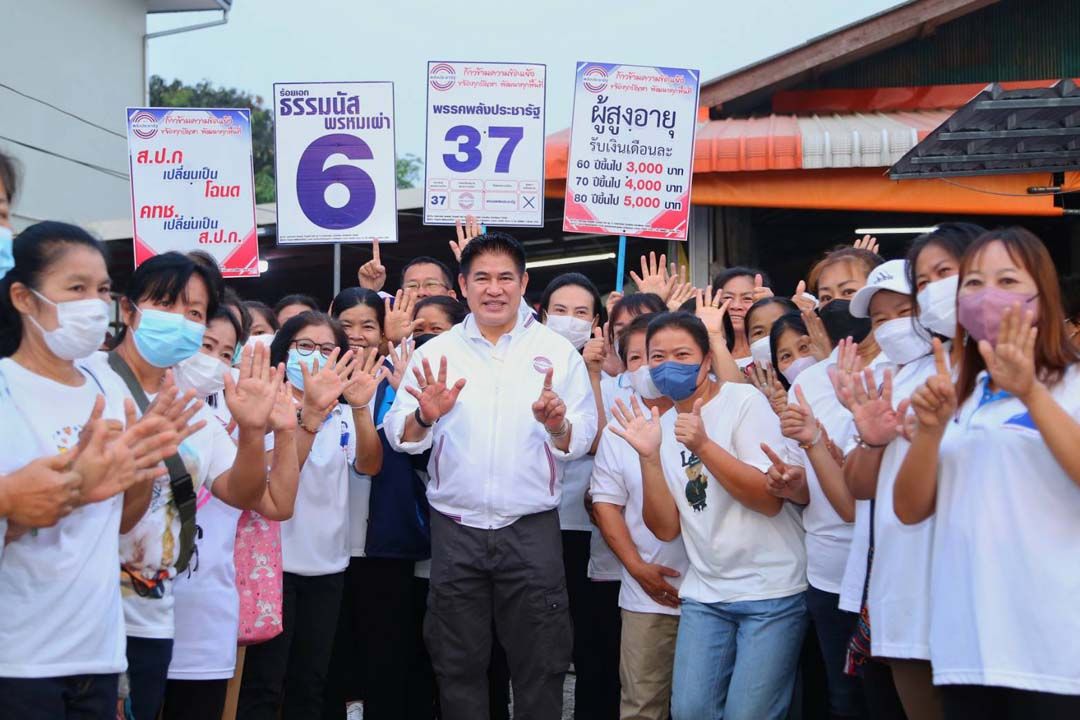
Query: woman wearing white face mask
x=994 y=457
x=62 y=621
x=898 y=591
x=206 y=600
x=165 y=309
x=571 y=306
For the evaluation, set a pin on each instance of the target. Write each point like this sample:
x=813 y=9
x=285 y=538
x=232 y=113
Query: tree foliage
x=203 y=94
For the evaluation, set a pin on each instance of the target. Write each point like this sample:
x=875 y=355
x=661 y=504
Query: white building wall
x=87 y=58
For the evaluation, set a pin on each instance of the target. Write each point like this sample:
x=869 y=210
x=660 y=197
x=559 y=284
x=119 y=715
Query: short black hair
x=729 y=274
x=638 y=303
x=279 y=348
x=684 y=321
x=493 y=243
x=296 y=299
x=574 y=278
x=267 y=313
x=638 y=324
x=164 y=278
x=787 y=321
x=231 y=299
x=453 y=309
x=448 y=275
x=351 y=297
x=9 y=176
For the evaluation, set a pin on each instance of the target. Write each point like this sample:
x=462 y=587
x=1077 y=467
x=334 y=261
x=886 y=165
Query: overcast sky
x=269 y=41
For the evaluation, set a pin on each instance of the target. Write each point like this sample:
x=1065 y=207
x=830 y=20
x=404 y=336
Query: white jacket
x=492 y=462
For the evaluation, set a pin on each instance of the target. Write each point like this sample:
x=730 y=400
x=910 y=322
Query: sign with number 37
x=336 y=180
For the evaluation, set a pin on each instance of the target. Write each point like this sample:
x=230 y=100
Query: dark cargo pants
x=513 y=575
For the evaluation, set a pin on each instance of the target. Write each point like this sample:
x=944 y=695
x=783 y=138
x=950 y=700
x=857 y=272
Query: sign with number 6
x=485 y=143
x=336 y=179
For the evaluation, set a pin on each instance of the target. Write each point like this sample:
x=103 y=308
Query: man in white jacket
x=499 y=400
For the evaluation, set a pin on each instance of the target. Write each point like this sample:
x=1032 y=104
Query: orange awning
x=866 y=189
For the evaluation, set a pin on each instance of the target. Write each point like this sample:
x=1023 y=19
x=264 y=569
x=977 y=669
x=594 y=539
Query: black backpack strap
x=183 y=489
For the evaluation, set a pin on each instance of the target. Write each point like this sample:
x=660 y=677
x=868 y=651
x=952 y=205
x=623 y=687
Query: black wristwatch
x=420 y=420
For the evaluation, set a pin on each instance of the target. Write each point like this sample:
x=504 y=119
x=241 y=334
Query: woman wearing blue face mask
x=62 y=620
x=165 y=310
x=337 y=439
x=703 y=471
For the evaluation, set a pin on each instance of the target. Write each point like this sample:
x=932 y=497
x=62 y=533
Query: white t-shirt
x=616 y=479
x=828 y=537
x=575 y=481
x=60 y=610
x=207 y=610
x=735 y=553
x=899 y=598
x=1006 y=563
x=854 y=580
x=604 y=564
x=150 y=548
x=315 y=541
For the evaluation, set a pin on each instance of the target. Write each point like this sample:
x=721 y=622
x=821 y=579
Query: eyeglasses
x=427 y=285
x=306 y=347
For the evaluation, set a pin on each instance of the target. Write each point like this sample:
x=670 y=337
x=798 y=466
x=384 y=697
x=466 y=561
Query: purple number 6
x=312 y=179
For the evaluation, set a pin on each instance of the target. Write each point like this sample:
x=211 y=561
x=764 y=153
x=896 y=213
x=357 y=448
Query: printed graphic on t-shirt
x=66 y=438
x=697 y=482
x=148 y=552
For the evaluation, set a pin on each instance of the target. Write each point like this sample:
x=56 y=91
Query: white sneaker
x=354 y=711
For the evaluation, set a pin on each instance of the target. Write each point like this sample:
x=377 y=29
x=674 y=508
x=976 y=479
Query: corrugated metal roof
x=788 y=142
x=1002 y=131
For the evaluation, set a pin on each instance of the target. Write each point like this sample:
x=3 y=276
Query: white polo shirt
x=735 y=553
x=491 y=461
x=1006 y=563
x=828 y=537
x=616 y=479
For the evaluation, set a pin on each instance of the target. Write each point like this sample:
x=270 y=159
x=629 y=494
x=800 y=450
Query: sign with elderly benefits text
x=335 y=162
x=485 y=143
x=631 y=150
x=192 y=185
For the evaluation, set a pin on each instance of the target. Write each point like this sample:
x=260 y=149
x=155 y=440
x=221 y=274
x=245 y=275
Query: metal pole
x=621 y=264
x=337 y=268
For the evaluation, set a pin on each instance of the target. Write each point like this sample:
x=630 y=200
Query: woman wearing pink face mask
x=996 y=459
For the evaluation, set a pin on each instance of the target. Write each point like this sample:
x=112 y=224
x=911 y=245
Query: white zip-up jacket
x=491 y=461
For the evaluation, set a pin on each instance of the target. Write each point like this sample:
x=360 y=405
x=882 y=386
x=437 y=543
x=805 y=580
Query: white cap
x=891 y=275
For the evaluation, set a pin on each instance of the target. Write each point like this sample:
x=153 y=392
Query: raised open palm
x=1011 y=361
x=323 y=384
x=640 y=430
x=871 y=407
x=251 y=398
x=435 y=397
x=365 y=372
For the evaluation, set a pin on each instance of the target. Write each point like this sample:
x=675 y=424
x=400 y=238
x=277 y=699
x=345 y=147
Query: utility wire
x=62 y=110
x=100 y=168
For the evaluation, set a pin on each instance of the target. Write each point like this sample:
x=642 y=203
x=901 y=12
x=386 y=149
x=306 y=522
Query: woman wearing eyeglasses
x=333 y=388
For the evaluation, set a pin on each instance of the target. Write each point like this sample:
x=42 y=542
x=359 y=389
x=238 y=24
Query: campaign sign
x=335 y=162
x=631 y=150
x=192 y=185
x=485 y=143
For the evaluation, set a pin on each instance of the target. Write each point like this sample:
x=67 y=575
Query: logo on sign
x=442 y=76
x=144 y=125
x=466 y=200
x=595 y=79
x=541 y=364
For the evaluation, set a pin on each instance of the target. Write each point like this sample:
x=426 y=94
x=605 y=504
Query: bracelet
x=300 y=422
x=420 y=419
x=815 y=441
x=868 y=446
x=561 y=432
